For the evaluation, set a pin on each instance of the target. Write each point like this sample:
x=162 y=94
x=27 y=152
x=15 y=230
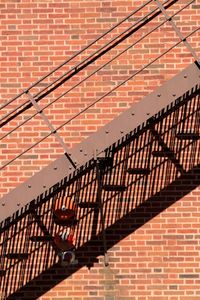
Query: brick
x=158 y=258
x=189 y=276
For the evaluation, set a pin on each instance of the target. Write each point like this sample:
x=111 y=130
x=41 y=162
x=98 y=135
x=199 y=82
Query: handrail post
x=51 y=127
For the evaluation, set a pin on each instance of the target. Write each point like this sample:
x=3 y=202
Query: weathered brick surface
x=161 y=259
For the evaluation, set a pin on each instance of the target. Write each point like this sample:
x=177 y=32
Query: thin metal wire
x=76 y=70
x=91 y=74
x=13 y=111
x=79 y=52
x=99 y=99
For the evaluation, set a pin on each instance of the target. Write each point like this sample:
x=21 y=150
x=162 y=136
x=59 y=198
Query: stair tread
x=188 y=135
x=112 y=187
x=41 y=238
x=107 y=159
x=138 y=171
x=17 y=255
x=160 y=153
x=84 y=204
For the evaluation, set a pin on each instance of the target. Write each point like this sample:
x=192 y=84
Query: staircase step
x=2 y=273
x=142 y=171
x=188 y=136
x=160 y=154
x=17 y=255
x=41 y=238
x=116 y=188
x=83 y=204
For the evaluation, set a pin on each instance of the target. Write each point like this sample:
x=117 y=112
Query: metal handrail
x=98 y=69
x=75 y=55
x=99 y=99
x=76 y=69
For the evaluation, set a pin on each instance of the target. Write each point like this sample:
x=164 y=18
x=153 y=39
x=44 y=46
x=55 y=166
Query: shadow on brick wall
x=150 y=169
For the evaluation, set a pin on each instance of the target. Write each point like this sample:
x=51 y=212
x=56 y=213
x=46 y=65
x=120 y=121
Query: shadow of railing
x=152 y=167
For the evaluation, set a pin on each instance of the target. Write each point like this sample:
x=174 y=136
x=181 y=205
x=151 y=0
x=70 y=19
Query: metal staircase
x=107 y=176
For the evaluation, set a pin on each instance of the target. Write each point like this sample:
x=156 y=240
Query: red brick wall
x=37 y=36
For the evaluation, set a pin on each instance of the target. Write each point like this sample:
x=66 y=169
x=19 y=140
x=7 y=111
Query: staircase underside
x=128 y=123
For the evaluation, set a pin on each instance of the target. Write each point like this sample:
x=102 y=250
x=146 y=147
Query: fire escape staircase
x=103 y=178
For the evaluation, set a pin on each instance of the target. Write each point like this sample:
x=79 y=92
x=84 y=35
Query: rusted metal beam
x=137 y=115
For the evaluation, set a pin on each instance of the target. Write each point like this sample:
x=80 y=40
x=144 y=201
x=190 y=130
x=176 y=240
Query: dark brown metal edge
x=88 y=149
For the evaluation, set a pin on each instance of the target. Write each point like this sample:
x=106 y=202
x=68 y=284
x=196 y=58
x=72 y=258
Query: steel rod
x=77 y=70
x=76 y=85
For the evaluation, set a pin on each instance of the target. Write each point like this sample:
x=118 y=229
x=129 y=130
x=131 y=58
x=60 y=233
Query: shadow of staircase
x=133 y=191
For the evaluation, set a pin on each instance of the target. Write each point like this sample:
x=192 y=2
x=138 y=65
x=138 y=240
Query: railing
x=127 y=186
x=33 y=99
